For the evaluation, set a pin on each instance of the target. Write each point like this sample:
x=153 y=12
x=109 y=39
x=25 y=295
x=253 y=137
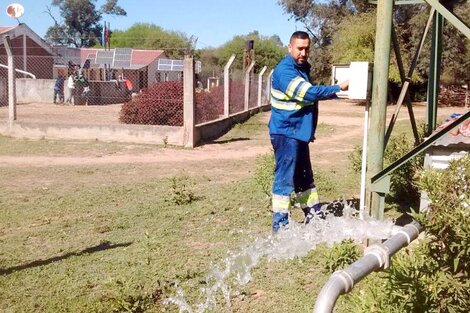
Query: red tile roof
x=145 y=57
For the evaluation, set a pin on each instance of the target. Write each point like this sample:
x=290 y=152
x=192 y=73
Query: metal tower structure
x=378 y=177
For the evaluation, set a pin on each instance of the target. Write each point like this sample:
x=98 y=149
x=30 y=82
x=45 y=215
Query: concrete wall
x=34 y=90
x=214 y=129
x=146 y=134
x=42 y=91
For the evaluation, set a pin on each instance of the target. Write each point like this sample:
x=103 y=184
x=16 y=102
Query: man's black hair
x=299 y=35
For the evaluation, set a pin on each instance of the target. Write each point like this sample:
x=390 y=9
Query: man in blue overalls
x=294 y=115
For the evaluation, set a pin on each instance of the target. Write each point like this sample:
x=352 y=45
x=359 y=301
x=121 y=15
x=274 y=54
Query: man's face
x=299 y=49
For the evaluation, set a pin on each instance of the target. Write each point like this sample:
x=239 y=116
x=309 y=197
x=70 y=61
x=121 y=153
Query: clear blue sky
x=214 y=22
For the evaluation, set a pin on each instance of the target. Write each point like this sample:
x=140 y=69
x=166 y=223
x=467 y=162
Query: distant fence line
x=177 y=113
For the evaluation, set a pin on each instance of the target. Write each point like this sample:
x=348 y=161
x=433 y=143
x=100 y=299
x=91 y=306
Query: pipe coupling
x=381 y=253
x=345 y=278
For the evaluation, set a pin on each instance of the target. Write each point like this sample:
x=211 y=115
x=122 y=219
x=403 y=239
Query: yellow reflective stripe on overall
x=303 y=90
x=281 y=204
x=279 y=95
x=287 y=105
x=293 y=85
x=308 y=198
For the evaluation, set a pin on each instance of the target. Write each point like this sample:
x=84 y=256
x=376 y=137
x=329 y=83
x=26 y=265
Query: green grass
x=104 y=238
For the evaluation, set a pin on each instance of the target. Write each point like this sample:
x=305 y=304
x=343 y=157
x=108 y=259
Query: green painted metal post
x=434 y=73
x=379 y=102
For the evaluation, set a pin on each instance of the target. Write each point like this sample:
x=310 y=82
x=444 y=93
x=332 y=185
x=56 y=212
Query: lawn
x=122 y=237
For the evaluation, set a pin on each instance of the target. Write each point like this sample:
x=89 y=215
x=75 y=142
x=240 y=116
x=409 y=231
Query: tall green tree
x=268 y=50
x=150 y=36
x=321 y=18
x=343 y=31
x=80 y=25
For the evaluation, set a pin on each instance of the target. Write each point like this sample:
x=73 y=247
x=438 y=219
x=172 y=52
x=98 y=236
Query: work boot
x=280 y=220
x=310 y=213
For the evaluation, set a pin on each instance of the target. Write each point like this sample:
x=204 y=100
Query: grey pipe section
x=375 y=257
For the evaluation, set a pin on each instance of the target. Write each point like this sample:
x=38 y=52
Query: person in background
x=294 y=115
x=59 y=88
x=71 y=89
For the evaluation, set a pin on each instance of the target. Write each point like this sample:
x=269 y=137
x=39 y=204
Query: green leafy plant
x=264 y=174
x=339 y=255
x=434 y=275
x=403 y=188
x=181 y=190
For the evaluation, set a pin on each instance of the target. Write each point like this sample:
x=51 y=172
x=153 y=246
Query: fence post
x=247 y=84
x=268 y=86
x=260 y=84
x=227 y=85
x=189 y=112
x=11 y=80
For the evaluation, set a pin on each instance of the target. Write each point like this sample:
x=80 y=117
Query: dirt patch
x=346 y=117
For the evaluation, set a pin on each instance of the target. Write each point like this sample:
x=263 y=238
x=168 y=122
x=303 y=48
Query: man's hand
x=344 y=85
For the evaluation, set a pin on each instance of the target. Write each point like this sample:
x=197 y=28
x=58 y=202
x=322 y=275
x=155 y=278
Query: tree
x=343 y=31
x=81 y=22
x=268 y=50
x=150 y=36
x=320 y=19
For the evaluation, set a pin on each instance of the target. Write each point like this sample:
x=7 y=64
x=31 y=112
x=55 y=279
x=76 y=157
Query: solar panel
x=170 y=65
x=122 y=57
x=104 y=57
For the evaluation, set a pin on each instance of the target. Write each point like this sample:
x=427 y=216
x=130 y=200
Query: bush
x=209 y=105
x=434 y=276
x=339 y=255
x=403 y=188
x=181 y=190
x=160 y=104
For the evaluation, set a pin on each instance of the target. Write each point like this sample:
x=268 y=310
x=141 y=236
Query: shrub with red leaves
x=160 y=104
x=209 y=105
x=237 y=96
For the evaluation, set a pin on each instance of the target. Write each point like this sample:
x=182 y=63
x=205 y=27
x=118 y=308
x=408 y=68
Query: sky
x=213 y=22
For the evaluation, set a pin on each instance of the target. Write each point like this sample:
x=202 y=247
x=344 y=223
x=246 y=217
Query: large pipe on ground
x=375 y=257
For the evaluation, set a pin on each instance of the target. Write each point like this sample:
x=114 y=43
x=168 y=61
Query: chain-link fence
x=88 y=86
x=237 y=92
x=160 y=104
x=253 y=91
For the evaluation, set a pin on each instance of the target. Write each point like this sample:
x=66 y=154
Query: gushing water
x=295 y=241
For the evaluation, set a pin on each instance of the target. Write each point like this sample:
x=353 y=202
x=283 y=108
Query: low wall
x=34 y=90
x=146 y=134
x=109 y=92
x=214 y=129
x=42 y=91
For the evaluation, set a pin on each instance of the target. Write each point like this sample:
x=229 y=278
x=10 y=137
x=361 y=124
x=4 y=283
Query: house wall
x=39 y=61
x=151 y=70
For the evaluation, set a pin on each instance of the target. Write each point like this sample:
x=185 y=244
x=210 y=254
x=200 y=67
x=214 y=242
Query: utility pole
x=248 y=54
